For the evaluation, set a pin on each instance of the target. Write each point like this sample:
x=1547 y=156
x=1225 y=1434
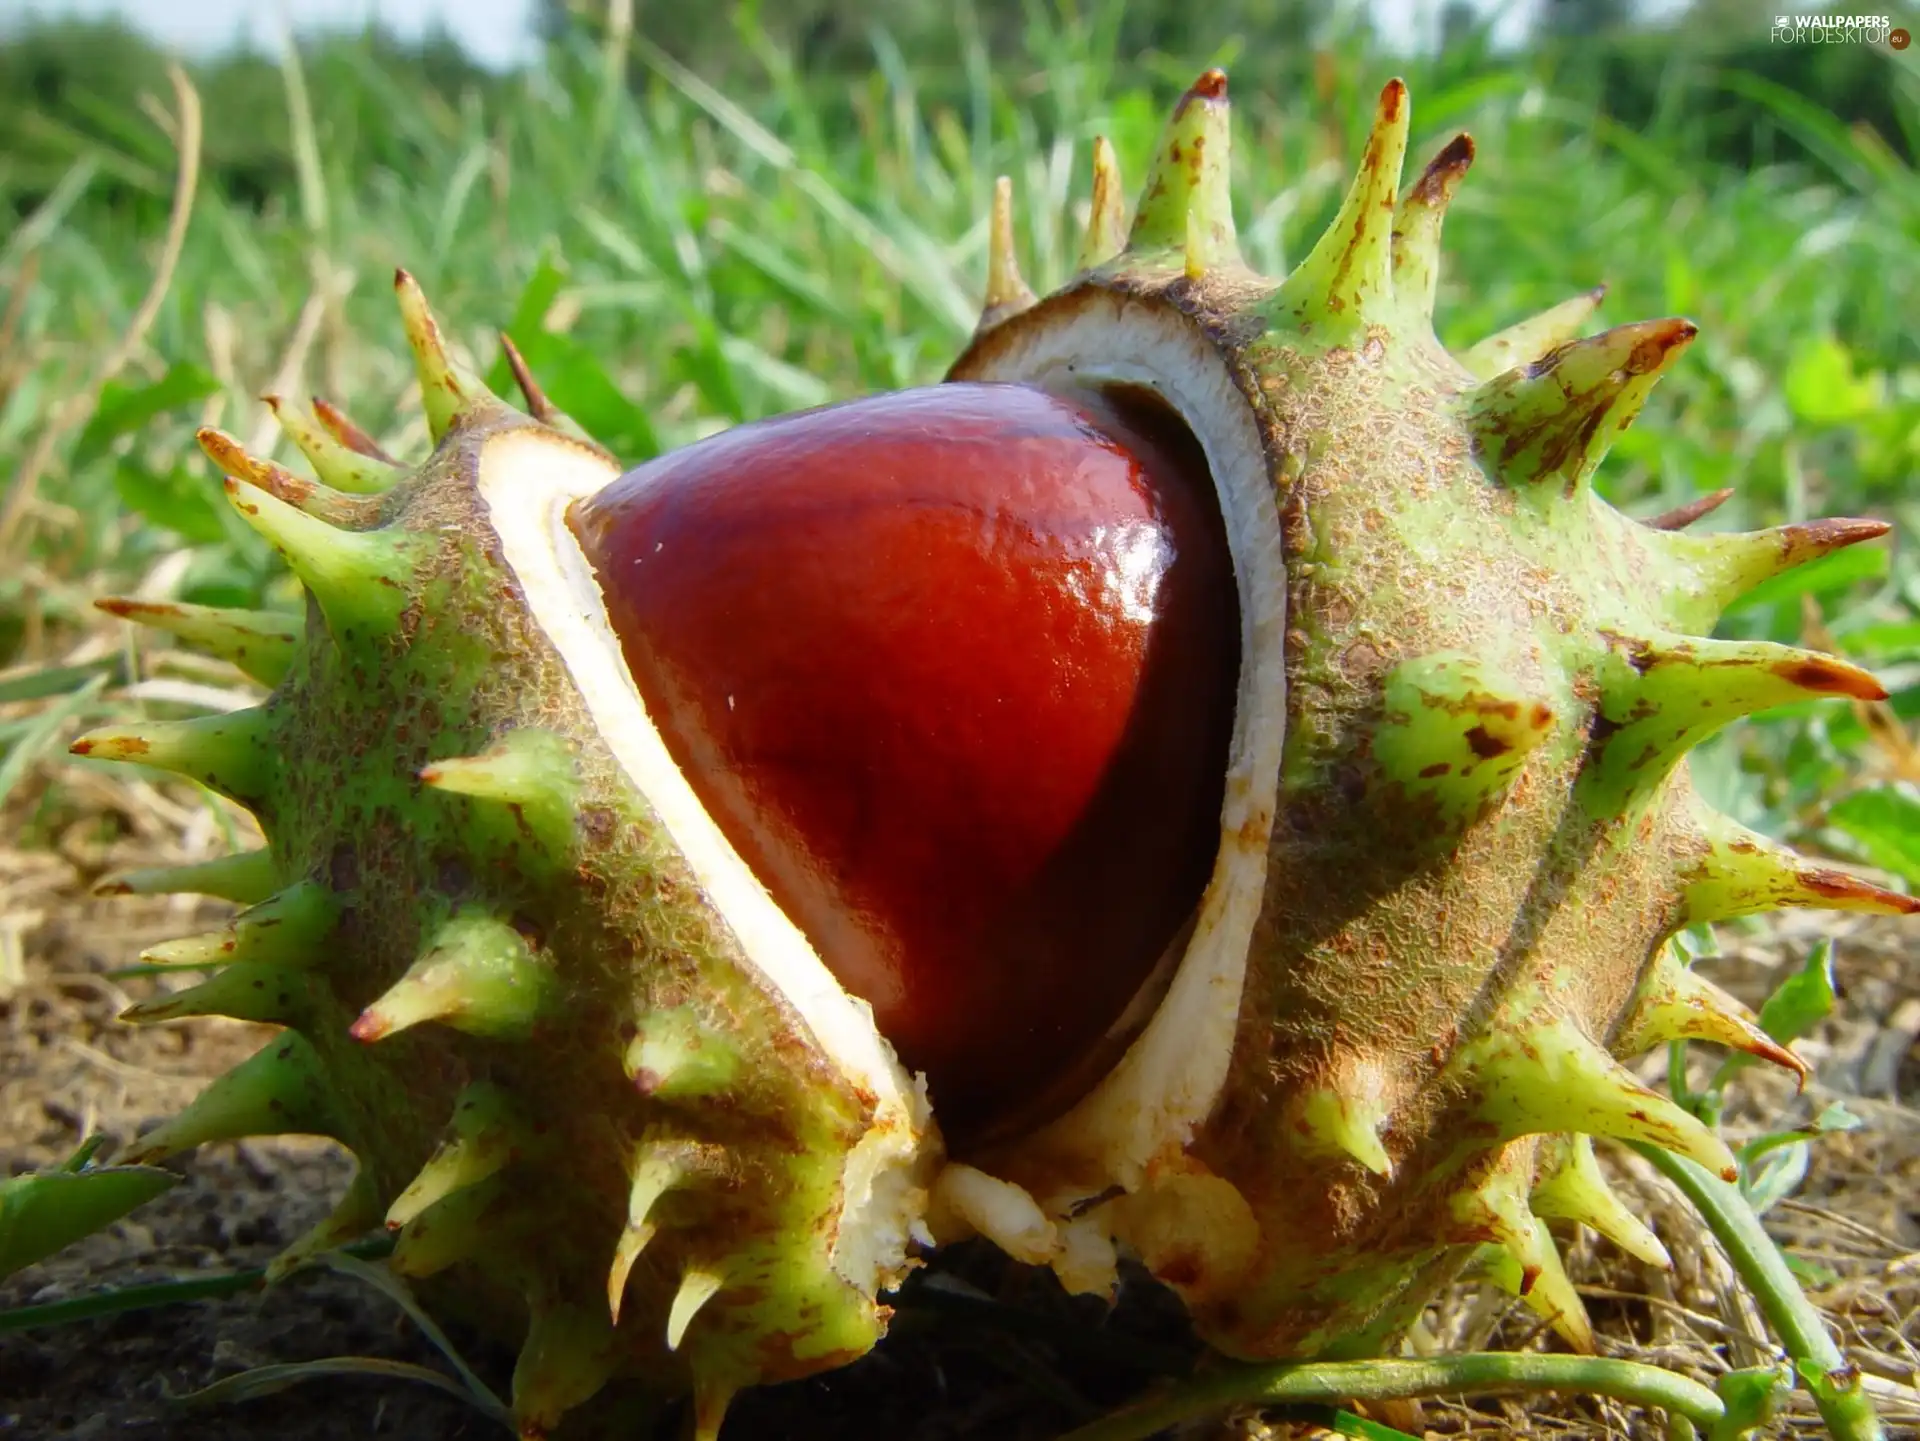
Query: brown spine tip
x=1659 y=339
x=1212 y=85
x=538 y=406
x=401 y=277
x=1841 y=886
x=1682 y=516
x=1831 y=677
x=370 y=1026
x=347 y=433
x=1393 y=96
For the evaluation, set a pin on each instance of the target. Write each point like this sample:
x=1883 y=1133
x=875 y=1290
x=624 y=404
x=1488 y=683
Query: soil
x=980 y=1348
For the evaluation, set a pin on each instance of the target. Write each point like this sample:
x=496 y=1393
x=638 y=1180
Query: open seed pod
x=1221 y=751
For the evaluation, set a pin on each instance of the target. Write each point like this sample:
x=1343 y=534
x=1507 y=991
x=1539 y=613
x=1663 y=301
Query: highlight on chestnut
x=1205 y=782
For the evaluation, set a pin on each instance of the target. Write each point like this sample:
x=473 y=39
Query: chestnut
x=953 y=669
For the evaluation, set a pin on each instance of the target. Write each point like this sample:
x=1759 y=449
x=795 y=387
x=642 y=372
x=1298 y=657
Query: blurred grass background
x=696 y=215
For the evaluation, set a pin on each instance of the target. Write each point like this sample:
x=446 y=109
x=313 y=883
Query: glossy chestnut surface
x=953 y=669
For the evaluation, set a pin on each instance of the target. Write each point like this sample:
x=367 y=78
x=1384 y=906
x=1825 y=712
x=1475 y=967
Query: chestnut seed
x=953 y=669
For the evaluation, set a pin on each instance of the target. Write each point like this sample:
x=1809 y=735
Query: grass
x=675 y=257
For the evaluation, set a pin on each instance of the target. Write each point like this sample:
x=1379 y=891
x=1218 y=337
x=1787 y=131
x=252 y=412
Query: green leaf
x=42 y=731
x=1803 y=999
x=1752 y=1397
x=1823 y=389
x=1778 y=1176
x=177 y=500
x=270 y=1380
x=124 y=409
x=1885 y=822
x=49 y=1210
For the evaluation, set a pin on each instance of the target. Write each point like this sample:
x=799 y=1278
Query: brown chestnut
x=953 y=669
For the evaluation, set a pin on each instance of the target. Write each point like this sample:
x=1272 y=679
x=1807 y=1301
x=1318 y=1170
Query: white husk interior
x=1164 y=1086
x=527 y=480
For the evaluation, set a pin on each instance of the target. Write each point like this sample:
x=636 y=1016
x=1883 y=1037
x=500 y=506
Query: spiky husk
x=1479 y=834
x=507 y=987
x=1457 y=836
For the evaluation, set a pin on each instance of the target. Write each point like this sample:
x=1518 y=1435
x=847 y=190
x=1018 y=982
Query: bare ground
x=69 y=1069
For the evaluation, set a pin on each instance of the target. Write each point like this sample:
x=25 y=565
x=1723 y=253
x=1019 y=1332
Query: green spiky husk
x=1482 y=835
x=450 y=841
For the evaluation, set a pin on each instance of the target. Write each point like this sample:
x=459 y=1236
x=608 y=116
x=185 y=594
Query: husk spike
x=1529 y=340
x=356 y=577
x=1553 y=420
x=1542 y=1076
x=337 y=464
x=1186 y=204
x=278 y=1091
x=1106 y=233
x=260 y=642
x=233 y=754
x=247 y=877
x=1416 y=228
x=1347 y=278
x=1573 y=1188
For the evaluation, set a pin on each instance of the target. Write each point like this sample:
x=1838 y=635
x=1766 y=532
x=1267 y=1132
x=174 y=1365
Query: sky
x=494 y=32
x=500 y=32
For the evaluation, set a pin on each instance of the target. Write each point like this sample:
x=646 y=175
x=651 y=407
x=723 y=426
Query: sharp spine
x=1106 y=233
x=1416 y=227
x=1531 y=339
x=235 y=754
x=1682 y=516
x=247 y=877
x=662 y=1163
x=1575 y=1189
x=477 y=974
x=1554 y=419
x=1007 y=291
x=447 y=392
x=348 y=434
x=1457 y=732
x=446 y=1234
x=287 y=929
x=1740 y=872
x=1541 y=1076
x=260 y=642
x=539 y=406
x=1707 y=573
x=1496 y=1212
x=278 y=1091
x=1348 y=275
x=259 y=991
x=1186 y=204
x=698 y=1286
x=309 y=497
x=357 y=577
x=711 y=1397
x=675 y=1056
x=486 y=1137
x=1662 y=695
x=531 y=769
x=1345 y=1118
x=1676 y=1003
x=338 y=464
